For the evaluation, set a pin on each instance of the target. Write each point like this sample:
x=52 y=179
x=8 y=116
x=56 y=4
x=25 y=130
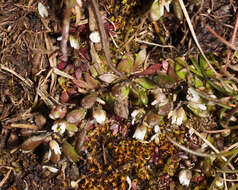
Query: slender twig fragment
x=188 y=150
x=6 y=177
x=24 y=126
x=104 y=39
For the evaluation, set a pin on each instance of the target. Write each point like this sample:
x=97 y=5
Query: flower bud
x=76 y=115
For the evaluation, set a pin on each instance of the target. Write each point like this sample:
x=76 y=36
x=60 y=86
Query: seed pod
x=76 y=115
x=88 y=101
x=32 y=142
x=140 y=58
x=92 y=82
x=70 y=152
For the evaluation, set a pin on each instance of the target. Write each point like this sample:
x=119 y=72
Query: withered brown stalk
x=65 y=30
x=105 y=42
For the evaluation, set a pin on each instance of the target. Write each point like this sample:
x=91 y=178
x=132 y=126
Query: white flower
x=133 y=115
x=74 y=42
x=55 y=147
x=140 y=133
x=202 y=106
x=80 y=3
x=193 y=96
x=160 y=99
x=74 y=184
x=178 y=116
x=137 y=115
x=185 y=177
x=100 y=101
x=157 y=129
x=42 y=10
x=99 y=115
x=95 y=37
x=157 y=9
x=196 y=103
x=59 y=127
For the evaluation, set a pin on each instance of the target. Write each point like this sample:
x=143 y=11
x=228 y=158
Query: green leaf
x=207 y=72
x=143 y=97
x=196 y=65
x=180 y=72
x=70 y=152
x=198 y=82
x=146 y=83
x=124 y=91
x=71 y=127
x=184 y=64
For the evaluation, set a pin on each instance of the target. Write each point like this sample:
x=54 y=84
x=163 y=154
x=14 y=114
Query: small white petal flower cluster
x=55 y=147
x=196 y=104
x=178 y=116
x=194 y=97
x=140 y=132
x=185 y=177
x=59 y=127
x=100 y=116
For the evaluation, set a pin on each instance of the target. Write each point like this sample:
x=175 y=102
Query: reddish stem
x=231 y=41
